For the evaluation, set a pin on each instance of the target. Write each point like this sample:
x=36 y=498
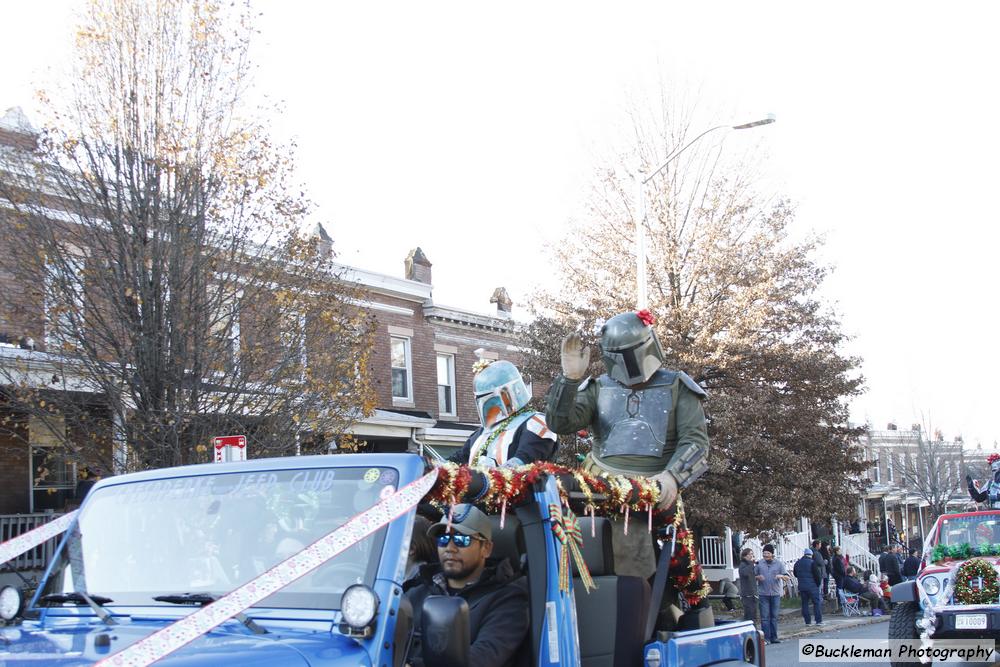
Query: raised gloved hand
x=575 y=357
x=668 y=489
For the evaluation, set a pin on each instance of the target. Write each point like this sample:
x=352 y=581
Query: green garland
x=497 y=430
x=963 y=551
x=972 y=570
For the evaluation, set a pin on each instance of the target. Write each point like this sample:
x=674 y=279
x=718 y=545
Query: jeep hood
x=73 y=644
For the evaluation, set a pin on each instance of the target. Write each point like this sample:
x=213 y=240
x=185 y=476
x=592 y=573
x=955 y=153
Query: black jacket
x=839 y=570
x=498 y=612
x=527 y=446
x=911 y=566
x=889 y=565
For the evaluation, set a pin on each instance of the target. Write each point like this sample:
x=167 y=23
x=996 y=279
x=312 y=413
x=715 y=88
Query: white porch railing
x=855 y=547
x=12 y=525
x=717 y=558
x=715 y=552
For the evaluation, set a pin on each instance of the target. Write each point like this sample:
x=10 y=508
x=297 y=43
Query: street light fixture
x=640 y=183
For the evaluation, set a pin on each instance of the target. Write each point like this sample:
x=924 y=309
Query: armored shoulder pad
x=538 y=426
x=691 y=384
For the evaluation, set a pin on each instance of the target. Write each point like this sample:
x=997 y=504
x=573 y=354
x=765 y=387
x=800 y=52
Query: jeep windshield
x=974 y=529
x=212 y=533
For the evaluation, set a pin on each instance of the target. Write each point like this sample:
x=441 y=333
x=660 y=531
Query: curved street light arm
x=675 y=154
x=640 y=196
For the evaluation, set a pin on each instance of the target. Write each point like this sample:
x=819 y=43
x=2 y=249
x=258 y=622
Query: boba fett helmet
x=629 y=347
x=500 y=392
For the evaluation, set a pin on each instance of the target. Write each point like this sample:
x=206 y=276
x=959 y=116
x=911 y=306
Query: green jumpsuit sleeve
x=690 y=458
x=569 y=409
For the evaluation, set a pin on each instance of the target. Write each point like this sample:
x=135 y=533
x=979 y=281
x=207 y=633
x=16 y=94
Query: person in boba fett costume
x=990 y=494
x=511 y=434
x=646 y=421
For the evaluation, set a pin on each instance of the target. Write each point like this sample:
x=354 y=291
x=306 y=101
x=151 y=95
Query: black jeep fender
x=905 y=591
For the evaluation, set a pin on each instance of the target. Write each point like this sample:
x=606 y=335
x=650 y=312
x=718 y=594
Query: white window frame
x=878 y=473
x=889 y=477
x=450 y=386
x=407 y=351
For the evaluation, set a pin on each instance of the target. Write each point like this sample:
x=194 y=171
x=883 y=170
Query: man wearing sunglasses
x=498 y=608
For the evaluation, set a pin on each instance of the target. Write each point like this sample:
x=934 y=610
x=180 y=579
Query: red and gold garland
x=511 y=486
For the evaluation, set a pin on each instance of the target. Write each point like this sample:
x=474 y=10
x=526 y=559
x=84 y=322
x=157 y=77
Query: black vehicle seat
x=509 y=542
x=611 y=620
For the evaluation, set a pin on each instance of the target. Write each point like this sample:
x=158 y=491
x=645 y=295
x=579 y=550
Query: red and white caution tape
x=180 y=633
x=13 y=548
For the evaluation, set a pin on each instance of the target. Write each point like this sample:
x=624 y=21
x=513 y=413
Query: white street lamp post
x=640 y=195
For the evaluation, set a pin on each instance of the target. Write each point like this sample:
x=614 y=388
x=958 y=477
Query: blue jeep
x=150 y=548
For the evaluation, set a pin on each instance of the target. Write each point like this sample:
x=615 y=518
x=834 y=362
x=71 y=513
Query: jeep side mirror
x=444 y=628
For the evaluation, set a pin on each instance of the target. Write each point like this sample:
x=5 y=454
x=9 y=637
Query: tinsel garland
x=973 y=570
x=513 y=485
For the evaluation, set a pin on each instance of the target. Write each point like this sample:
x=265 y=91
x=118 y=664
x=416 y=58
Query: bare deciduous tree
x=159 y=230
x=933 y=470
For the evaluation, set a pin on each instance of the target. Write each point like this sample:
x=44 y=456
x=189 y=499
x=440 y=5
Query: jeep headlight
x=10 y=602
x=931 y=585
x=358 y=606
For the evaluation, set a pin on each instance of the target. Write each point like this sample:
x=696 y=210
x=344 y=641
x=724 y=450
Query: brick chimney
x=503 y=302
x=323 y=240
x=418 y=267
x=891 y=427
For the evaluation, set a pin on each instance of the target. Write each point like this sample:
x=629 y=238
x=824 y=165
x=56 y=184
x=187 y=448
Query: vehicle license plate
x=970 y=622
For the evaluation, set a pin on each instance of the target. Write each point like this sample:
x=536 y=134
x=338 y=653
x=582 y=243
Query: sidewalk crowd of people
x=822 y=572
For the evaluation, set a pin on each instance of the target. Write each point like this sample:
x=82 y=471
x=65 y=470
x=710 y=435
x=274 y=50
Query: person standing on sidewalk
x=749 y=592
x=809 y=573
x=771 y=575
x=838 y=566
x=823 y=560
x=911 y=566
x=888 y=564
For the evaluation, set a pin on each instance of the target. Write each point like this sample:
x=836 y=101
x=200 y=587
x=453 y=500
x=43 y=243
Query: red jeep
x=957 y=591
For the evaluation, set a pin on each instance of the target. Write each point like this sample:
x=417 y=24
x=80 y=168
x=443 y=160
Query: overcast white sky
x=471 y=129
